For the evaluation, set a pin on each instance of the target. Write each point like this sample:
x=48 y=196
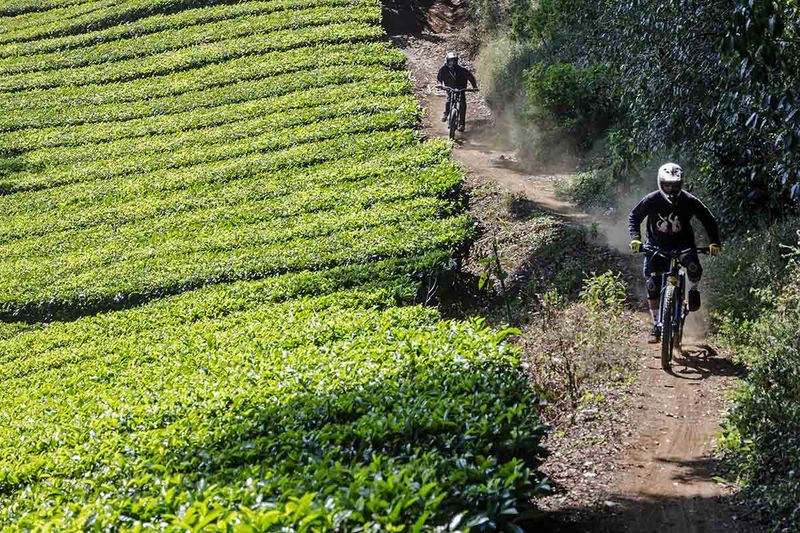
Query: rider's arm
x=635 y=219
x=440 y=76
x=709 y=221
x=471 y=79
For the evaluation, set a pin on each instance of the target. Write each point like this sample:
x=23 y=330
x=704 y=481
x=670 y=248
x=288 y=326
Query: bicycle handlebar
x=673 y=253
x=451 y=89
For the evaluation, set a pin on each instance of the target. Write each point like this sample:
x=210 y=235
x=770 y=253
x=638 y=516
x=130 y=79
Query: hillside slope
x=217 y=216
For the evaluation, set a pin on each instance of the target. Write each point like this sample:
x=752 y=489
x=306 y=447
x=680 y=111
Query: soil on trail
x=666 y=474
x=481 y=150
x=652 y=469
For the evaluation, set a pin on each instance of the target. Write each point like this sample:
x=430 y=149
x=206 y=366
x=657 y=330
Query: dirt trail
x=666 y=477
x=663 y=478
x=480 y=150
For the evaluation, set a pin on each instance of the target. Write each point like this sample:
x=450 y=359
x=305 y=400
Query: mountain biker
x=455 y=76
x=669 y=212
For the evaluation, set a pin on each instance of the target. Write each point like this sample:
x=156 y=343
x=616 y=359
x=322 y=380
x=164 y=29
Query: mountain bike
x=673 y=308
x=456 y=98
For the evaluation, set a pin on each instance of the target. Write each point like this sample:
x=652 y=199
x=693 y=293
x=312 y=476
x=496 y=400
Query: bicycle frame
x=456 y=99
x=676 y=277
x=672 y=310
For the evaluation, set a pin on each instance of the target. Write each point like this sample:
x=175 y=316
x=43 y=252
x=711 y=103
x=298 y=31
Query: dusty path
x=662 y=479
x=666 y=477
x=480 y=150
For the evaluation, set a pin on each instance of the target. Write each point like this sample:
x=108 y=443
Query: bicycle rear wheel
x=667 y=326
x=680 y=296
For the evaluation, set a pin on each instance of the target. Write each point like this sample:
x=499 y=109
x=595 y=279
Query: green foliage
x=367 y=85
x=21 y=7
x=576 y=101
x=594 y=188
x=180 y=82
x=605 y=293
x=193 y=56
x=762 y=433
x=235 y=403
x=711 y=84
x=228 y=207
x=756 y=124
x=749 y=275
x=541 y=21
x=157 y=45
x=210 y=18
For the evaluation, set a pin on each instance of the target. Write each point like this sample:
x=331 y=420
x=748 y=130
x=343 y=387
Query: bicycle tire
x=667 y=335
x=453 y=120
x=677 y=343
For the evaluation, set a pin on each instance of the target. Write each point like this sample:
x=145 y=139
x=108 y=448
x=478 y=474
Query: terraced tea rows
x=227 y=208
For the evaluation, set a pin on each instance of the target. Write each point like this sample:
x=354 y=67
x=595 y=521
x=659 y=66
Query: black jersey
x=669 y=224
x=456 y=78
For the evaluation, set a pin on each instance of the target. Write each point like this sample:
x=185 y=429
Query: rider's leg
x=694 y=271
x=446 y=109
x=462 y=119
x=653 y=285
x=652 y=267
x=652 y=303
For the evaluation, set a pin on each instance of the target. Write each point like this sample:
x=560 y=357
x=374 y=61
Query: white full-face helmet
x=670 y=181
x=451 y=59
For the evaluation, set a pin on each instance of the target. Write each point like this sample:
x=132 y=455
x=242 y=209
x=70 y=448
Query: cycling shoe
x=655 y=335
x=694 y=300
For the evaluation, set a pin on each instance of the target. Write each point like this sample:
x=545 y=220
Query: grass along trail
x=663 y=477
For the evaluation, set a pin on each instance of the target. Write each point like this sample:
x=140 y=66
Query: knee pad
x=652 y=283
x=694 y=272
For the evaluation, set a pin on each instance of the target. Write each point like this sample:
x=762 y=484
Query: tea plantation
x=216 y=216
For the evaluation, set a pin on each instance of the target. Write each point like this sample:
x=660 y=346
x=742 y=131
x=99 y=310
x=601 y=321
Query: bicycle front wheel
x=667 y=326
x=453 y=120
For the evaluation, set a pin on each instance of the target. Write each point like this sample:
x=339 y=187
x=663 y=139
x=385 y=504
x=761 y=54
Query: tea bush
x=217 y=219
x=234 y=404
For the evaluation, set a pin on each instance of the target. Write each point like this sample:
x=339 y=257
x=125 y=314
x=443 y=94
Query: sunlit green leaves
x=228 y=208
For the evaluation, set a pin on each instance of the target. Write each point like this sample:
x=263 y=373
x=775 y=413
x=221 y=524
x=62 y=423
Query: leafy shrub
x=752 y=270
x=572 y=344
x=591 y=189
x=234 y=191
x=251 y=404
x=573 y=103
x=762 y=434
x=713 y=85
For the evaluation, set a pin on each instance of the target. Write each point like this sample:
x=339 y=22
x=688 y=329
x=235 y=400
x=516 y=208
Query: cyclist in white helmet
x=455 y=76
x=669 y=212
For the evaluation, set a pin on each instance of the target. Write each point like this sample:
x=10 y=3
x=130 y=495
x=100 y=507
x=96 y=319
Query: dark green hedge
x=762 y=433
x=714 y=84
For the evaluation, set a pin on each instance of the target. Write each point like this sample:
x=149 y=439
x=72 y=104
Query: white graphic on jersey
x=669 y=225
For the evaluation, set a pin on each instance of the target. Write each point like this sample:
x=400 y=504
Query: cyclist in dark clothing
x=455 y=76
x=669 y=212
